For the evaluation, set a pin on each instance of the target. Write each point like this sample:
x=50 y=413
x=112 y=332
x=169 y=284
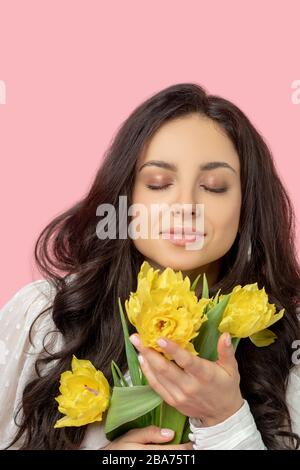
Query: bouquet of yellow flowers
x=164 y=305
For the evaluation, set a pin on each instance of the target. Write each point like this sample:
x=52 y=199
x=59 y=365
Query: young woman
x=181 y=146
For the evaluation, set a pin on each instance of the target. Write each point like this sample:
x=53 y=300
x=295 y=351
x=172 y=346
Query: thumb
x=149 y=434
x=226 y=357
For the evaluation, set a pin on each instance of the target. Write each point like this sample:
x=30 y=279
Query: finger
x=162 y=374
x=184 y=359
x=168 y=371
x=159 y=364
x=191 y=364
x=166 y=389
x=226 y=357
x=145 y=351
x=148 y=434
x=187 y=446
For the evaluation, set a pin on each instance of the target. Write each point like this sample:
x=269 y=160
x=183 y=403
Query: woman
x=183 y=147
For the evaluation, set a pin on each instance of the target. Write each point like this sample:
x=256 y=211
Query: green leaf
x=172 y=419
x=207 y=340
x=205 y=291
x=131 y=355
x=155 y=415
x=263 y=338
x=235 y=342
x=128 y=404
x=194 y=285
x=216 y=297
x=186 y=431
x=119 y=379
x=112 y=435
x=144 y=380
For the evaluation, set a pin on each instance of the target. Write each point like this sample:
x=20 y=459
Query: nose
x=185 y=209
x=186 y=204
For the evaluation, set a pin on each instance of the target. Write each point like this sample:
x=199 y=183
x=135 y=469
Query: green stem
x=161 y=411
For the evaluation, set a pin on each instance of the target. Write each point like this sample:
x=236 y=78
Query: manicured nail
x=167 y=432
x=227 y=339
x=161 y=342
x=141 y=359
x=135 y=340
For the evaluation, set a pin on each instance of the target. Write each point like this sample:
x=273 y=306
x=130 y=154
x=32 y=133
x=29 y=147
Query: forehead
x=190 y=139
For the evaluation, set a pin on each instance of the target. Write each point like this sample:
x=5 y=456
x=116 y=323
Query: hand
x=196 y=387
x=139 y=439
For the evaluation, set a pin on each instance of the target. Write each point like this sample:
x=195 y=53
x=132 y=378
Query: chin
x=179 y=262
x=179 y=259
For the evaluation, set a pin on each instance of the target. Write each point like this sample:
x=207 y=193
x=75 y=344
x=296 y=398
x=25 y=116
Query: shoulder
x=18 y=314
x=28 y=292
x=33 y=296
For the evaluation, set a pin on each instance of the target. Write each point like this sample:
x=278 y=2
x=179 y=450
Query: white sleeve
x=293 y=397
x=17 y=355
x=239 y=431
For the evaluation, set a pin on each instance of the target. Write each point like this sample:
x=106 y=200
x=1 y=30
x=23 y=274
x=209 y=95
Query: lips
x=184 y=231
x=182 y=236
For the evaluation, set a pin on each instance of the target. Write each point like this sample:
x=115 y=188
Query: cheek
x=142 y=195
x=155 y=204
x=142 y=199
x=224 y=218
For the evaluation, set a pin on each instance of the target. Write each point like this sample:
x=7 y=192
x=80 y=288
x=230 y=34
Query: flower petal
x=263 y=338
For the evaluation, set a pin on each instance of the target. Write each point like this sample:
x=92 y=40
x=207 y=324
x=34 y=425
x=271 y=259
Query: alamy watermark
x=181 y=223
x=296 y=354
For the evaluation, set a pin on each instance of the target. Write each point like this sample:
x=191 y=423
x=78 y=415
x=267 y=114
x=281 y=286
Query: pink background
x=74 y=70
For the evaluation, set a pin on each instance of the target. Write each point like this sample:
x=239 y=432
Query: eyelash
x=162 y=188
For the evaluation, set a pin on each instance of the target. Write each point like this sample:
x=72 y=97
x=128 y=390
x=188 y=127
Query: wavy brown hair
x=84 y=309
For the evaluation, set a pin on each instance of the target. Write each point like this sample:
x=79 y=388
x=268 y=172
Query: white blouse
x=18 y=355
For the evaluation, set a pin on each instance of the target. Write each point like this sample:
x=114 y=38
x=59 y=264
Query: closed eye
x=212 y=190
x=155 y=188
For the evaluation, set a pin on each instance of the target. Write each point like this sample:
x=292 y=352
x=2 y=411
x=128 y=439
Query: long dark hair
x=84 y=308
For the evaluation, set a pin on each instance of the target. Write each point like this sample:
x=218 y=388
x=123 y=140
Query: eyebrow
x=171 y=166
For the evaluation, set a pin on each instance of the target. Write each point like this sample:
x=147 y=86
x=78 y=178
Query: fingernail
x=161 y=342
x=167 y=432
x=227 y=339
x=135 y=340
x=141 y=359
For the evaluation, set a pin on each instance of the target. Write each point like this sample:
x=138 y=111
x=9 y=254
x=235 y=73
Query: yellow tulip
x=165 y=305
x=249 y=314
x=84 y=395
